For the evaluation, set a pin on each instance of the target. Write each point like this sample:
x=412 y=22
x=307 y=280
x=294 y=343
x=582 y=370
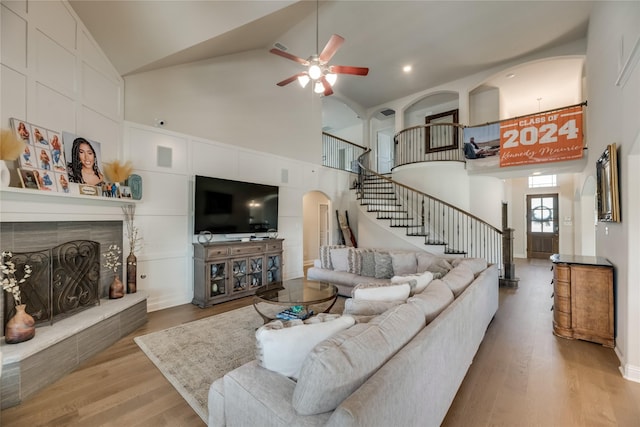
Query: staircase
x=436 y=222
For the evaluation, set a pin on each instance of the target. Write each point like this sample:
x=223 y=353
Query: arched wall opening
x=316 y=225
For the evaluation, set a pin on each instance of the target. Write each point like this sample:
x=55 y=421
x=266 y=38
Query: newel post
x=508 y=278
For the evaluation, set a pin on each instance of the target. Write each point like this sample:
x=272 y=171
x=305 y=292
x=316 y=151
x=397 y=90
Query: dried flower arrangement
x=133 y=233
x=112 y=258
x=10 y=145
x=9 y=281
x=116 y=171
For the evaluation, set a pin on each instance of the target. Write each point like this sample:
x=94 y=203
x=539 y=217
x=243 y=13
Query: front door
x=542 y=225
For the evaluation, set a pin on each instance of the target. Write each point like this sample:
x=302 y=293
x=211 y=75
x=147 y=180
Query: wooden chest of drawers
x=583 y=299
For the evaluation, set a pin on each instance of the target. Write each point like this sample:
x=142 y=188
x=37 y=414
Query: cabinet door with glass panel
x=217 y=276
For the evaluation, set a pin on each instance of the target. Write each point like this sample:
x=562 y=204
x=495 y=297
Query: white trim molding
x=629 y=65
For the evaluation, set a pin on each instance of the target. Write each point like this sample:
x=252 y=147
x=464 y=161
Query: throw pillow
x=433 y=300
x=359 y=307
x=422 y=280
x=477 y=265
x=381 y=291
x=458 y=279
x=384 y=265
x=425 y=259
x=404 y=263
x=339 y=259
x=336 y=367
x=354 y=258
x=325 y=255
x=368 y=268
x=283 y=346
x=441 y=266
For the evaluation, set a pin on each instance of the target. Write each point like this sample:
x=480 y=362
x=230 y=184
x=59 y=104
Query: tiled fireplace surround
x=59 y=348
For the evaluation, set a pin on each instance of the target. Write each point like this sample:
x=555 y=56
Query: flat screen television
x=223 y=206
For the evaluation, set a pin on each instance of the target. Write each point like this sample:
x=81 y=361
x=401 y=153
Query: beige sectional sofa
x=400 y=367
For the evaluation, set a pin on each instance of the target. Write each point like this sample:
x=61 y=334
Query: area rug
x=193 y=355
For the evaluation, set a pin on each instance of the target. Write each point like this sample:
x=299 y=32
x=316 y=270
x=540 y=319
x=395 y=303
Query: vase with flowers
x=135 y=243
x=112 y=262
x=21 y=326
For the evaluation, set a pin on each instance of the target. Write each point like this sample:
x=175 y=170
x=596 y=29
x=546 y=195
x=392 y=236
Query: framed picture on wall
x=608 y=193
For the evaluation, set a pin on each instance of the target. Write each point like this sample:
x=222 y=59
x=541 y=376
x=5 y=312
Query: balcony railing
x=339 y=153
x=427 y=143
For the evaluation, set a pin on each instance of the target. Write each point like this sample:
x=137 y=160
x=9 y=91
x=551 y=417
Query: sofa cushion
x=433 y=300
x=422 y=280
x=360 y=307
x=458 y=279
x=338 y=366
x=440 y=268
x=404 y=263
x=283 y=346
x=424 y=260
x=382 y=291
x=368 y=260
x=477 y=265
x=384 y=265
x=339 y=259
x=325 y=255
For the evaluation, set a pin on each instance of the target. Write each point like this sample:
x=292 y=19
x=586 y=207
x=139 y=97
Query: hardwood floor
x=522 y=375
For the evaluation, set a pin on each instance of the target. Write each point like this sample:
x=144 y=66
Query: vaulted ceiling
x=441 y=40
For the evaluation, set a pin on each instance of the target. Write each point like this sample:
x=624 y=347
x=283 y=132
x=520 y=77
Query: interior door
x=542 y=225
x=385 y=152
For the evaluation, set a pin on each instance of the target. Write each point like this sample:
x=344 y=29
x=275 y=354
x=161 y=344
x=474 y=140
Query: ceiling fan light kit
x=323 y=75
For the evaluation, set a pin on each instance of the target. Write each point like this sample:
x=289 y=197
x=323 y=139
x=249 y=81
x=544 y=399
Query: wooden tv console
x=223 y=271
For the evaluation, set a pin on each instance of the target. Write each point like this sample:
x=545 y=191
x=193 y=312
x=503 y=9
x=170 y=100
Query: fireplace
x=66 y=259
x=85 y=321
x=64 y=280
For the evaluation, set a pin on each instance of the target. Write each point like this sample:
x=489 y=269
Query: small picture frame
x=125 y=192
x=29 y=179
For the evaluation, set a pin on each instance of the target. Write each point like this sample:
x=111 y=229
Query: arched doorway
x=316 y=225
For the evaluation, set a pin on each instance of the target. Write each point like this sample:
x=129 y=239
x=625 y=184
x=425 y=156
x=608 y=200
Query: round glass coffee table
x=297 y=293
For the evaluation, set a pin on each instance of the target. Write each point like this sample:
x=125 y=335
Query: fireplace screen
x=64 y=281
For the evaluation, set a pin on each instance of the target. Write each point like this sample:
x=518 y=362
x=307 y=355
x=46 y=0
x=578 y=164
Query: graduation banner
x=550 y=136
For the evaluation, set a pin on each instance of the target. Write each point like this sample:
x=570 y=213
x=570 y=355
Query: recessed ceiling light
x=510 y=75
x=406 y=68
x=536 y=173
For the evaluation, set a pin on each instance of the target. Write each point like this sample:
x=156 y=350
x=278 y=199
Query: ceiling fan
x=318 y=69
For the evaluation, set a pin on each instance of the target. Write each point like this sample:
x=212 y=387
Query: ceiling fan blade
x=345 y=69
x=289 y=56
x=327 y=87
x=290 y=79
x=331 y=47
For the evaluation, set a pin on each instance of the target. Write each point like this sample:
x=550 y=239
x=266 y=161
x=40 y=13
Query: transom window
x=542 y=181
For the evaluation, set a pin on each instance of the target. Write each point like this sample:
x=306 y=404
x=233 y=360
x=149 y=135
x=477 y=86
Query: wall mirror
x=607 y=176
x=441 y=135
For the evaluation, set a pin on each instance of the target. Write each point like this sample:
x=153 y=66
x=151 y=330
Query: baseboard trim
x=629 y=372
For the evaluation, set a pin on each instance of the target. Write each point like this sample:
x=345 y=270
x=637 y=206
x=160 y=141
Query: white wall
x=612 y=116
x=484 y=106
x=232 y=99
x=54 y=75
x=165 y=216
